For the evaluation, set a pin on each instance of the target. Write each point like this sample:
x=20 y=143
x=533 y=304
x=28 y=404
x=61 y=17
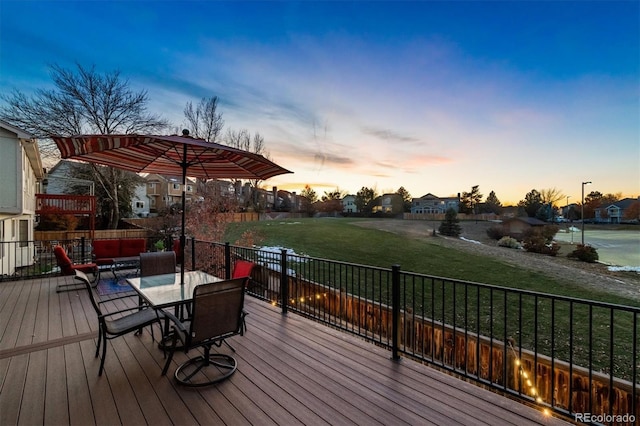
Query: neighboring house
x=21 y=174
x=614 y=213
x=285 y=200
x=59 y=180
x=432 y=204
x=349 y=204
x=140 y=202
x=165 y=191
x=389 y=204
x=517 y=226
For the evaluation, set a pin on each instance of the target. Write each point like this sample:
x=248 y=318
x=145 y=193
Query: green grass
x=339 y=239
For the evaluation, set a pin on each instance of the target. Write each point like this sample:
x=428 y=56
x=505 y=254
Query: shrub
x=496 y=232
x=536 y=241
x=584 y=253
x=53 y=219
x=449 y=225
x=507 y=241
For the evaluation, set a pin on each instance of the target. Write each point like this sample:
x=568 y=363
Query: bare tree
x=83 y=101
x=242 y=139
x=205 y=121
x=551 y=196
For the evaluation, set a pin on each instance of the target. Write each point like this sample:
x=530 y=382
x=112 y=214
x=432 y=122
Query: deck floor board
x=291 y=371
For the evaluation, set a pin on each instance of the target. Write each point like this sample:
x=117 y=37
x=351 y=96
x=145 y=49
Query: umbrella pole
x=184 y=205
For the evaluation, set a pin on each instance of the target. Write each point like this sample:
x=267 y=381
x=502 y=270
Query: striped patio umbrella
x=168 y=155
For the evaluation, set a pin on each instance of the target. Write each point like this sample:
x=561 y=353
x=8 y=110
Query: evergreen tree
x=450 y=225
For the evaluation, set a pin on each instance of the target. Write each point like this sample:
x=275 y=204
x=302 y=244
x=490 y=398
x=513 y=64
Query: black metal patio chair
x=119 y=323
x=217 y=315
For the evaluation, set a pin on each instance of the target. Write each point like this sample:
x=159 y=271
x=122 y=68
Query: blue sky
x=433 y=96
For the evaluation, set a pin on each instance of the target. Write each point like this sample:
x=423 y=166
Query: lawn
x=339 y=239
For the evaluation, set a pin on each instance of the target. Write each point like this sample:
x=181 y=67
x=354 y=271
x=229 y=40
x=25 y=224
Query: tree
x=127 y=180
x=551 y=196
x=242 y=139
x=470 y=200
x=591 y=202
x=308 y=199
x=492 y=204
x=364 y=199
x=205 y=120
x=531 y=203
x=406 y=199
x=330 y=202
x=450 y=225
x=84 y=102
x=632 y=212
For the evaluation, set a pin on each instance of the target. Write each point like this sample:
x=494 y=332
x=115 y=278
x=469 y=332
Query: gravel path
x=474 y=239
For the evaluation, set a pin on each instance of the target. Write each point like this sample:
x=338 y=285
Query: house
x=615 y=213
x=349 y=204
x=59 y=180
x=517 y=226
x=21 y=174
x=388 y=204
x=165 y=191
x=432 y=204
x=140 y=205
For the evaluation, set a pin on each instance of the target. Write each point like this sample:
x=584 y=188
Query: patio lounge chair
x=242 y=269
x=67 y=267
x=217 y=315
x=121 y=324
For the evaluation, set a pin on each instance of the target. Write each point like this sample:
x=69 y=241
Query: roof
x=622 y=204
x=530 y=220
x=21 y=134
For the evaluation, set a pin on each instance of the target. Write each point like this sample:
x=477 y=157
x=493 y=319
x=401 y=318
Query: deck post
x=284 y=281
x=395 y=310
x=227 y=261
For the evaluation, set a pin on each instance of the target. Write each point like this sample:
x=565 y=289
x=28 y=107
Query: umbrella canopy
x=168 y=155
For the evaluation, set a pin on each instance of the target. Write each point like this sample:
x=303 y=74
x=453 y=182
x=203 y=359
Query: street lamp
x=582 y=207
x=566 y=214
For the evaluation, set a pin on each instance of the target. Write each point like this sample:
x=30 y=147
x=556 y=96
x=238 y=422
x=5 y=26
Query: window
x=139 y=204
x=24 y=233
x=176 y=186
x=189 y=188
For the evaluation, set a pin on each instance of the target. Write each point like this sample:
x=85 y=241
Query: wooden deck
x=291 y=371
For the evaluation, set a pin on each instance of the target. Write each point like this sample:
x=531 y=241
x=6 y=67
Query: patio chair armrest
x=137 y=308
x=117 y=298
x=178 y=327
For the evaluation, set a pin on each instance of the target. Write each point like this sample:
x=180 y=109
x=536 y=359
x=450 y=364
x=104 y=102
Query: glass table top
x=166 y=290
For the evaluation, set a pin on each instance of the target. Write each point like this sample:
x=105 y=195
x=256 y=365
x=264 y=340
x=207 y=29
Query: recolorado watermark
x=604 y=418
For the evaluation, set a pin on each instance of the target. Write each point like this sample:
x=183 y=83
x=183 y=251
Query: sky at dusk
x=433 y=96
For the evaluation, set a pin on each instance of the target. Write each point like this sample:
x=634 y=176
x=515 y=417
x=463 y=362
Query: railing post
x=82 y=243
x=193 y=254
x=395 y=311
x=227 y=261
x=284 y=281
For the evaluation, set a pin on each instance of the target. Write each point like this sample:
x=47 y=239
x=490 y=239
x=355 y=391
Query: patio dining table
x=164 y=291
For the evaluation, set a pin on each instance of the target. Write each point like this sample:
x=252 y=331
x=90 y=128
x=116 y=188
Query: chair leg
x=104 y=355
x=172 y=349
x=99 y=341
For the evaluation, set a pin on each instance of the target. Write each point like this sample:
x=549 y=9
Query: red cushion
x=86 y=267
x=132 y=247
x=242 y=269
x=63 y=260
x=106 y=248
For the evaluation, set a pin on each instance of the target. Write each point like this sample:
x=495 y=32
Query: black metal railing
x=559 y=353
